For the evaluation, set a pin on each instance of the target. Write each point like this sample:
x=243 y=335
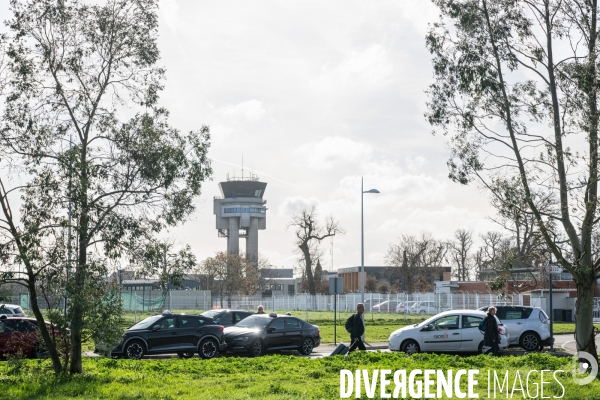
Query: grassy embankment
x=268 y=377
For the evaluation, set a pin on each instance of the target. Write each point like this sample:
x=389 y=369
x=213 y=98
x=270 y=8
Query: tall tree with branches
x=73 y=69
x=460 y=254
x=516 y=90
x=309 y=234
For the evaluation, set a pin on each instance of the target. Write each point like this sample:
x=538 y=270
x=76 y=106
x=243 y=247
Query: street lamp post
x=362 y=241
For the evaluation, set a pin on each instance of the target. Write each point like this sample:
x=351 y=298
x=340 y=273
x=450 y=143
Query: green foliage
x=72 y=67
x=267 y=377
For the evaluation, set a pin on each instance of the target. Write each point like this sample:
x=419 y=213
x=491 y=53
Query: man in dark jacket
x=358 y=329
x=491 y=338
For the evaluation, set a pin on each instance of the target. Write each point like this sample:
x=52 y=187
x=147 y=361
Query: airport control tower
x=241 y=212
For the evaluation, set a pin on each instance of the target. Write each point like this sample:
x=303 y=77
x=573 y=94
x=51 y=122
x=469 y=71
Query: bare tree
x=309 y=234
x=460 y=254
x=371 y=284
x=413 y=260
x=229 y=274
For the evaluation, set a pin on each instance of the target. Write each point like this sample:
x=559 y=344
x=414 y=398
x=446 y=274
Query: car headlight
x=241 y=339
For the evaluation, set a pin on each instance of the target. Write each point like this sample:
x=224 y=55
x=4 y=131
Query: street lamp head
x=372 y=191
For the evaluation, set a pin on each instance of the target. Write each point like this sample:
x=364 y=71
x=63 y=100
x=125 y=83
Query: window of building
x=290 y=289
x=244 y=210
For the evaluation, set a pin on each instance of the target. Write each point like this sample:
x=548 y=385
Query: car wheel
x=208 y=348
x=422 y=312
x=307 y=346
x=410 y=347
x=530 y=341
x=135 y=350
x=256 y=348
x=480 y=348
x=186 y=355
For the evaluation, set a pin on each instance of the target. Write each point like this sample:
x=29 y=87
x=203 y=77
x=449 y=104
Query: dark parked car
x=258 y=334
x=20 y=336
x=227 y=317
x=172 y=333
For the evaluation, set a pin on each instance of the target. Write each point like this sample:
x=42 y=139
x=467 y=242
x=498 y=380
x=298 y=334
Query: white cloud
x=369 y=68
x=333 y=151
x=294 y=205
x=415 y=163
x=248 y=111
x=169 y=9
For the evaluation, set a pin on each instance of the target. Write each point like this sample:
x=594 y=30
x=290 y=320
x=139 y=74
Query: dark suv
x=172 y=333
x=227 y=317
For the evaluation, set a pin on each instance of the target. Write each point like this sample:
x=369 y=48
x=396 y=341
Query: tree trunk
x=584 y=326
x=308 y=268
x=78 y=310
x=50 y=344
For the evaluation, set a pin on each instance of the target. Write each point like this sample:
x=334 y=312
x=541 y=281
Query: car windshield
x=211 y=313
x=146 y=323
x=427 y=321
x=254 y=322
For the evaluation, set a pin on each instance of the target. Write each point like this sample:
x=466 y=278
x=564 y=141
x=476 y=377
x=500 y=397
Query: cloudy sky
x=315 y=95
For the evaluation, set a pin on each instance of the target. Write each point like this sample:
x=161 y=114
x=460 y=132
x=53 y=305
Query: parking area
x=564 y=344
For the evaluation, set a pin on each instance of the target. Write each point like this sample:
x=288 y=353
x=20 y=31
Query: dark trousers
x=495 y=348
x=356 y=345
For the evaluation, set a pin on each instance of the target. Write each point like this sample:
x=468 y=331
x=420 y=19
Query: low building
x=421 y=278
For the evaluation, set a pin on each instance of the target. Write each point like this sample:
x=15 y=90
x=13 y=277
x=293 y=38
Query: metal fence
x=416 y=303
x=403 y=303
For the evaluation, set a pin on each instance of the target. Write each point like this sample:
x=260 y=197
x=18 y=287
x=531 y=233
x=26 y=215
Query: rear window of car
x=26 y=326
x=189 y=322
x=293 y=323
x=254 y=322
x=211 y=313
x=508 y=313
x=469 y=321
x=225 y=318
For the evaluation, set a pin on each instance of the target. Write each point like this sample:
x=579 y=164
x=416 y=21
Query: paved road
x=567 y=343
x=563 y=342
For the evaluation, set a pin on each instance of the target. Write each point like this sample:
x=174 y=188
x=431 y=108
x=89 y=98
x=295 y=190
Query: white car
x=404 y=307
x=424 y=307
x=11 y=310
x=529 y=327
x=449 y=331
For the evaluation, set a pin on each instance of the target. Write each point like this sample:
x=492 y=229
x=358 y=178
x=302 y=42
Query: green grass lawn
x=268 y=377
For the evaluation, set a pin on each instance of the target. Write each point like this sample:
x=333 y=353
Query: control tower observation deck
x=240 y=213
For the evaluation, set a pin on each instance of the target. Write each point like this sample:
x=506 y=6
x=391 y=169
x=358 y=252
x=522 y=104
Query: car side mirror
x=425 y=328
x=271 y=330
x=156 y=327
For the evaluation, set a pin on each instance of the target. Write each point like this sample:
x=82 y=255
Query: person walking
x=358 y=329
x=491 y=338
